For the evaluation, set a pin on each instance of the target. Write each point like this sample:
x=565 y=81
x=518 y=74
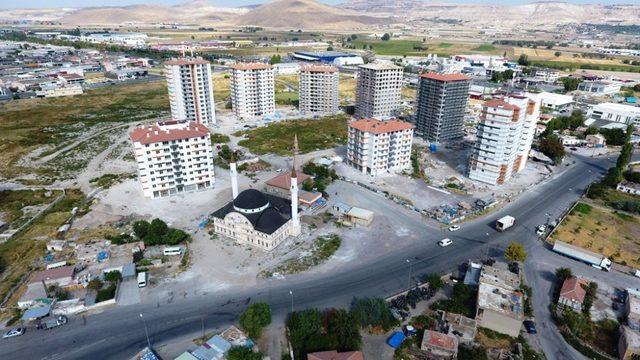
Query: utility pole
x=146 y=331
x=409 y=282
x=291 y=293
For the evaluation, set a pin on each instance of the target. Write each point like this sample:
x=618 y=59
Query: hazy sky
x=83 y=3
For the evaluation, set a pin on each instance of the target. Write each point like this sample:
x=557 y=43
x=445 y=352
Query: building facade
x=378 y=90
x=318 y=90
x=252 y=90
x=441 y=105
x=173 y=157
x=504 y=137
x=620 y=113
x=375 y=147
x=599 y=87
x=190 y=90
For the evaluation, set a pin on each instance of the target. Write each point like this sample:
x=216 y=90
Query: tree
x=95 y=284
x=158 y=227
x=255 y=319
x=343 y=328
x=275 y=59
x=304 y=326
x=557 y=54
x=435 y=282
x=589 y=296
x=552 y=147
x=243 y=353
x=523 y=60
x=113 y=276
x=141 y=228
x=176 y=236
x=307 y=185
x=570 y=83
x=373 y=312
x=515 y=252
x=563 y=274
x=385 y=37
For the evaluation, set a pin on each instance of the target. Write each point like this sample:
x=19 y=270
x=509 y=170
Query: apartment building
x=549 y=76
x=173 y=157
x=504 y=137
x=190 y=90
x=376 y=147
x=378 y=90
x=252 y=90
x=441 y=105
x=318 y=89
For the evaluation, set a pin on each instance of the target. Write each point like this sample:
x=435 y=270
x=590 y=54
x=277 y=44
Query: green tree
x=557 y=54
x=113 y=276
x=343 y=328
x=243 y=353
x=304 y=326
x=515 y=252
x=158 y=227
x=141 y=228
x=175 y=237
x=590 y=294
x=255 y=319
x=552 y=147
x=275 y=59
x=373 y=312
x=435 y=282
x=523 y=60
x=563 y=274
x=385 y=37
x=570 y=83
x=307 y=185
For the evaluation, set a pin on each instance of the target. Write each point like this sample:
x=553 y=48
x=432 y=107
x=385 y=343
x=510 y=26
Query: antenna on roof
x=183 y=50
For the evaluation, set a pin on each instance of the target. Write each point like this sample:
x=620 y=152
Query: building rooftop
x=380 y=66
x=439 y=340
x=275 y=215
x=605 y=107
x=334 y=355
x=379 y=127
x=168 y=131
x=630 y=185
x=499 y=274
x=318 y=69
x=53 y=274
x=186 y=61
x=500 y=104
x=499 y=299
x=632 y=337
x=445 y=77
x=634 y=304
x=283 y=181
x=251 y=66
x=572 y=289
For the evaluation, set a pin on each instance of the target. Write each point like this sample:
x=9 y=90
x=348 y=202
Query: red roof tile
x=572 y=289
x=251 y=66
x=499 y=103
x=53 y=274
x=379 y=127
x=283 y=180
x=440 y=340
x=154 y=133
x=445 y=77
x=334 y=355
x=318 y=68
x=186 y=61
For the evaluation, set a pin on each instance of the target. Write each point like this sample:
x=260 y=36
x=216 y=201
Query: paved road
x=118 y=333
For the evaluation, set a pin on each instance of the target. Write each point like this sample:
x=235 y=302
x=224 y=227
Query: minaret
x=234 y=175
x=296 y=229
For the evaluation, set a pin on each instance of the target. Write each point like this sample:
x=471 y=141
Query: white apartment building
x=252 y=90
x=620 y=113
x=600 y=87
x=173 y=157
x=378 y=90
x=190 y=90
x=504 y=138
x=318 y=89
x=546 y=75
x=376 y=147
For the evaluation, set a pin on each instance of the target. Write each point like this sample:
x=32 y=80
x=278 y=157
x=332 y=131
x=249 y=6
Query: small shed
x=360 y=216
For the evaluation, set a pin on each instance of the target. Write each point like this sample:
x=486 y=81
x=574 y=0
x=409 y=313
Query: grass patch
x=582 y=208
x=12 y=203
x=108 y=180
x=322 y=249
x=286 y=98
x=485 y=47
x=445 y=45
x=313 y=135
x=393 y=47
x=217 y=138
x=570 y=65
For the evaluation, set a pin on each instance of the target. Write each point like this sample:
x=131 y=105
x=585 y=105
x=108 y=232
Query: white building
x=190 y=90
x=348 y=60
x=173 y=157
x=378 y=90
x=252 y=90
x=286 y=68
x=505 y=134
x=376 y=147
x=629 y=187
x=546 y=75
x=318 y=89
x=599 y=87
x=619 y=113
x=68 y=90
x=555 y=101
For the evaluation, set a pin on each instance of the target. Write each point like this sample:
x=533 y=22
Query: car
x=454 y=227
x=445 y=242
x=541 y=230
x=573 y=148
x=13 y=333
x=530 y=326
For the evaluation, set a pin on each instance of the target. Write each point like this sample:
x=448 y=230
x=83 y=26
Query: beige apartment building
x=252 y=90
x=375 y=147
x=318 y=90
x=378 y=91
x=190 y=90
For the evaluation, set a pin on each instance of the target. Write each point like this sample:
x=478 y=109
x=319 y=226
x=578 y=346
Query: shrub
x=583 y=208
x=106 y=294
x=255 y=319
x=113 y=276
x=373 y=312
x=515 y=252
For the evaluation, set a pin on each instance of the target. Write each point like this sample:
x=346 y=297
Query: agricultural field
x=312 y=135
x=603 y=230
x=221 y=88
x=419 y=48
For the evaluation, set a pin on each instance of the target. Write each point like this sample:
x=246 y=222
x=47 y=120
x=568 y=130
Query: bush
x=373 y=312
x=515 y=252
x=255 y=319
x=243 y=353
x=141 y=228
x=627 y=205
x=632 y=176
x=106 y=294
x=113 y=276
x=463 y=301
x=583 y=208
x=435 y=282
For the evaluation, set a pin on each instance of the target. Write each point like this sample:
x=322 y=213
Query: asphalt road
x=118 y=333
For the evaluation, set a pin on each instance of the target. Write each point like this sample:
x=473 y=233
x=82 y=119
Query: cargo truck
x=505 y=222
x=594 y=259
x=53 y=323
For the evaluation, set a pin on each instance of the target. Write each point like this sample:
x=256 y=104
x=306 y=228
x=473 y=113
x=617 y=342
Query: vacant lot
x=604 y=231
x=16 y=204
x=419 y=48
x=26 y=125
x=313 y=135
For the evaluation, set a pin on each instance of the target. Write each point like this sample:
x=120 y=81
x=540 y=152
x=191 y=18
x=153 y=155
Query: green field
x=571 y=66
x=312 y=135
x=485 y=47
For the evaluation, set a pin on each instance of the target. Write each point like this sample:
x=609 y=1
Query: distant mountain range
x=352 y=14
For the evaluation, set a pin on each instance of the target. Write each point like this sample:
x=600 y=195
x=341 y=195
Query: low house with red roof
x=573 y=292
x=439 y=346
x=61 y=276
x=280 y=185
x=334 y=355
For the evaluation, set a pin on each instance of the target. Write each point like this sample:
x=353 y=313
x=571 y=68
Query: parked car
x=541 y=230
x=530 y=326
x=454 y=227
x=13 y=333
x=445 y=242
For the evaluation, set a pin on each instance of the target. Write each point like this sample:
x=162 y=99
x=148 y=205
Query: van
x=445 y=242
x=142 y=279
x=176 y=250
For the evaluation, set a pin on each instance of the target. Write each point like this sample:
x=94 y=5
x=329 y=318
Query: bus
x=142 y=279
x=177 y=250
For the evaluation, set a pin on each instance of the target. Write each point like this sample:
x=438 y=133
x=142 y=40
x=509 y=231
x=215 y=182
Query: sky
x=8 y=4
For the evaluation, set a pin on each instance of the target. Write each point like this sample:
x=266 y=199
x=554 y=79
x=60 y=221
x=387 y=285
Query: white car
x=541 y=230
x=445 y=242
x=13 y=333
x=454 y=227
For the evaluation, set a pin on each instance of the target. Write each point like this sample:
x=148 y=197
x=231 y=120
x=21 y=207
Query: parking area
x=128 y=293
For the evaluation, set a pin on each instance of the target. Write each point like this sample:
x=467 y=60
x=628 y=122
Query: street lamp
x=146 y=331
x=291 y=293
x=410 y=265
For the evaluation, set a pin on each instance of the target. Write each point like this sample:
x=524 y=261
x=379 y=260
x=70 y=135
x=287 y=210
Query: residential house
x=334 y=355
x=629 y=344
x=632 y=308
x=439 y=346
x=61 y=276
x=573 y=292
x=500 y=305
x=628 y=187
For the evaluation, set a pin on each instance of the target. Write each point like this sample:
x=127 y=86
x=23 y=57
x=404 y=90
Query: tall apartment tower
x=173 y=157
x=378 y=90
x=376 y=147
x=252 y=90
x=441 y=105
x=190 y=90
x=318 y=89
x=504 y=138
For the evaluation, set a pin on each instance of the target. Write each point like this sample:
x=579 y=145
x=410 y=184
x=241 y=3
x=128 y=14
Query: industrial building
x=318 y=90
x=190 y=90
x=599 y=87
x=252 y=90
x=441 y=105
x=378 y=91
x=612 y=112
x=376 y=147
x=173 y=157
x=334 y=57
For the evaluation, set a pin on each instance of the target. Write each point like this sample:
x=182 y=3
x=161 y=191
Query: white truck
x=594 y=259
x=505 y=222
x=53 y=323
